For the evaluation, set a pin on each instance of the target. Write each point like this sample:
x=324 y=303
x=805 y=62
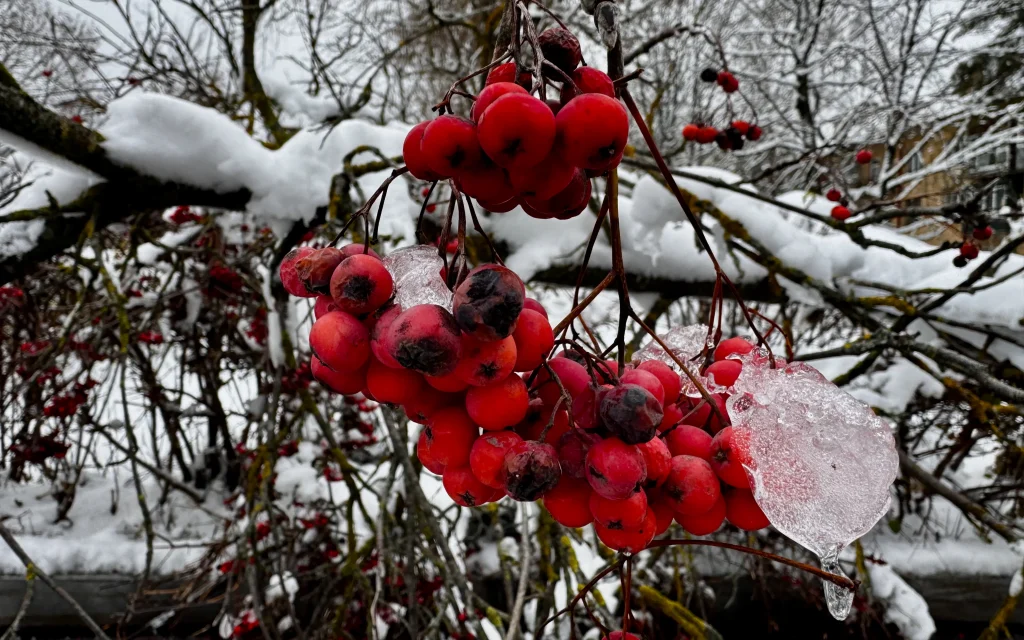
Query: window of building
x=916 y=163
x=994 y=199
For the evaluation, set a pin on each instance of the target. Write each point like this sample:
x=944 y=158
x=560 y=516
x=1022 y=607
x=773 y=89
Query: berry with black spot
x=487 y=456
x=488 y=302
x=450 y=145
x=465 y=490
x=561 y=48
x=692 y=486
x=615 y=470
x=593 y=130
x=361 y=284
x=425 y=338
x=530 y=469
x=631 y=412
x=619 y=514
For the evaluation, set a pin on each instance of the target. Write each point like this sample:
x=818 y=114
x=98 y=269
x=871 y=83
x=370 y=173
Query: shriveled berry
x=289 y=275
x=687 y=440
x=629 y=540
x=572 y=450
x=393 y=386
x=425 y=338
x=587 y=80
x=561 y=48
x=498 y=405
x=450 y=435
x=517 y=131
x=630 y=412
x=593 y=130
x=657 y=460
x=343 y=382
x=316 y=268
x=490 y=93
x=531 y=469
x=450 y=145
x=487 y=456
x=692 y=486
x=732 y=346
x=361 y=284
x=484 y=363
x=725 y=372
x=619 y=514
x=742 y=511
x=615 y=469
x=705 y=523
x=488 y=302
x=669 y=379
x=340 y=341
x=533 y=338
x=568 y=502
x=412 y=153
x=730 y=453
x=464 y=489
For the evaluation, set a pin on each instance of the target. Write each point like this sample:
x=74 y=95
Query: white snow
x=904 y=607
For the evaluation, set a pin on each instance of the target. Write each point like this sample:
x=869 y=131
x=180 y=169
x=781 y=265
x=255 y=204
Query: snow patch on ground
x=904 y=607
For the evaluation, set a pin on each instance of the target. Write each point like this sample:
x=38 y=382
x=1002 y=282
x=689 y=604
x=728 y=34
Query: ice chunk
x=416 y=271
x=823 y=462
x=686 y=343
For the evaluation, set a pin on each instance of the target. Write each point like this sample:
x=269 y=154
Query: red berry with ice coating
x=484 y=363
x=393 y=386
x=629 y=540
x=450 y=435
x=615 y=469
x=692 y=486
x=463 y=487
x=706 y=523
x=657 y=460
x=517 y=131
x=488 y=302
x=587 y=80
x=450 y=145
x=631 y=412
x=619 y=514
x=647 y=380
x=572 y=450
x=863 y=156
x=343 y=382
x=569 y=502
x=593 y=130
x=487 y=456
x=412 y=153
x=498 y=405
x=490 y=93
x=725 y=372
x=732 y=346
x=561 y=48
x=730 y=453
x=340 y=341
x=742 y=511
x=533 y=338
x=687 y=440
x=530 y=469
x=361 y=284
x=316 y=268
x=670 y=383
x=425 y=338
x=289 y=275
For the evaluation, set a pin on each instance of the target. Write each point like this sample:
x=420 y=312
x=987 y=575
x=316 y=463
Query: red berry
x=631 y=412
x=507 y=73
x=730 y=453
x=531 y=469
x=839 y=212
x=692 y=486
x=534 y=305
x=517 y=131
x=450 y=436
x=561 y=48
x=732 y=346
x=533 y=338
x=982 y=233
x=488 y=302
x=316 y=268
x=289 y=275
x=621 y=635
x=706 y=135
x=77 y=119
x=706 y=523
x=742 y=511
x=742 y=126
x=450 y=382
x=487 y=456
x=487 y=180
x=484 y=363
x=491 y=93
x=382 y=321
x=619 y=514
x=615 y=470
x=450 y=145
x=498 y=405
x=343 y=382
x=340 y=341
x=754 y=133
x=361 y=284
x=421 y=407
x=690 y=132
x=393 y=386
x=572 y=450
x=728 y=82
x=863 y=156
x=725 y=372
x=426 y=456
x=463 y=487
x=324 y=305
x=669 y=379
x=47 y=73
x=687 y=440
x=544 y=179
x=593 y=130
x=358 y=249
x=587 y=80
x=969 y=250
x=834 y=195
x=536 y=421
x=572 y=375
x=499 y=207
x=425 y=338
x=699 y=413
x=567 y=203
x=629 y=540
x=673 y=416
x=412 y=153
x=569 y=502
x=586 y=407
x=647 y=380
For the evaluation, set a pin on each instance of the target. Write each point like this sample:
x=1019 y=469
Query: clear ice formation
x=823 y=462
x=686 y=343
x=416 y=271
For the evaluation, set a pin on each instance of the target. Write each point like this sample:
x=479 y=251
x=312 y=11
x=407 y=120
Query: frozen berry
x=517 y=131
x=629 y=540
x=615 y=469
x=530 y=469
x=732 y=346
x=863 y=156
x=487 y=456
x=631 y=412
x=692 y=486
x=572 y=450
x=412 y=153
x=498 y=405
x=343 y=382
x=593 y=130
x=316 y=268
x=463 y=487
x=533 y=338
x=340 y=341
x=561 y=48
x=491 y=93
x=619 y=514
x=450 y=436
x=725 y=372
x=657 y=460
x=730 y=453
x=425 y=338
x=450 y=145
x=669 y=379
x=488 y=302
x=587 y=80
x=687 y=440
x=705 y=523
x=647 y=380
x=742 y=511
x=289 y=275
x=393 y=386
x=569 y=502
x=834 y=195
x=361 y=284
x=485 y=363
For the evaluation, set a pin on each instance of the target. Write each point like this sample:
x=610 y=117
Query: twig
x=524 y=575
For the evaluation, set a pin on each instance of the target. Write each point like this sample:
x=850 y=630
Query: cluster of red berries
x=183 y=214
x=10 y=295
x=39 y=449
x=518 y=150
x=150 y=337
x=969 y=249
x=730 y=138
x=840 y=211
x=723 y=79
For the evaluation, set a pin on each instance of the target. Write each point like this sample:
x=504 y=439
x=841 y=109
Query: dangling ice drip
x=823 y=462
x=416 y=271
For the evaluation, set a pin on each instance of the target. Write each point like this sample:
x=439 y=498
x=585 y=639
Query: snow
x=904 y=607
x=1016 y=584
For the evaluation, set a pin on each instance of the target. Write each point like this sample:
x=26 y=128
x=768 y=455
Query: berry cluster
x=733 y=137
x=516 y=149
x=841 y=211
x=969 y=249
